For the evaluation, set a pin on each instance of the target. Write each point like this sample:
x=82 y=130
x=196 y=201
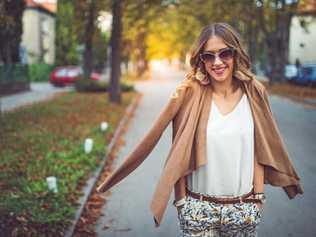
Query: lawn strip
x=46 y=139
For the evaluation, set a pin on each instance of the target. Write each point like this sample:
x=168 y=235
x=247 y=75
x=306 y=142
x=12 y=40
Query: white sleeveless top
x=230 y=153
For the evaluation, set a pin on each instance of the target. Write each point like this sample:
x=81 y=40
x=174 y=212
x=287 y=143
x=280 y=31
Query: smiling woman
x=229 y=173
x=217 y=164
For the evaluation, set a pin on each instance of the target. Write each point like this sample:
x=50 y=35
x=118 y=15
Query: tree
x=87 y=13
x=264 y=24
x=274 y=19
x=89 y=31
x=11 y=30
x=136 y=19
x=167 y=29
x=100 y=47
x=66 y=35
x=115 y=43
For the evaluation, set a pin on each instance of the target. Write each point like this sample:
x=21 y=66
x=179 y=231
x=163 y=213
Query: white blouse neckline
x=232 y=111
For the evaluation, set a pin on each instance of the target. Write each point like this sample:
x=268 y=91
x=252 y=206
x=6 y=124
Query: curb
x=304 y=101
x=298 y=100
x=91 y=182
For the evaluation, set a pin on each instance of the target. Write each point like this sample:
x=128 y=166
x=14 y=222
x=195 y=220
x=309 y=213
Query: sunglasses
x=223 y=54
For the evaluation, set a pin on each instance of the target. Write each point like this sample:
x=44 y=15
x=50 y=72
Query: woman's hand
x=179 y=208
x=260 y=205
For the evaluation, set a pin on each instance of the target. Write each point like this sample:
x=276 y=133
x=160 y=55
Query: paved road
x=127 y=212
x=296 y=217
x=39 y=91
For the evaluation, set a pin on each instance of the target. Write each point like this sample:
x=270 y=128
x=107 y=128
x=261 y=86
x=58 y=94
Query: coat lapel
x=199 y=144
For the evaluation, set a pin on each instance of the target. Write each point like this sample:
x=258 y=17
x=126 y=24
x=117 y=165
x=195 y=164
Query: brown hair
x=231 y=38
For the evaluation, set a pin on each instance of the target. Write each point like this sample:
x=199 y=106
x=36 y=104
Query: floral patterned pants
x=210 y=219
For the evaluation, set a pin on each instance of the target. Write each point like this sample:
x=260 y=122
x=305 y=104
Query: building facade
x=38 y=39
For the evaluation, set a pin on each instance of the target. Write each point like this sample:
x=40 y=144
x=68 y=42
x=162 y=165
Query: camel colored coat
x=189 y=113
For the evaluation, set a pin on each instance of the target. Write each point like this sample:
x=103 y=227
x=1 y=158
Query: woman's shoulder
x=184 y=88
x=258 y=85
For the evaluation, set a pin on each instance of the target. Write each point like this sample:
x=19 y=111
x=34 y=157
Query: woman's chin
x=219 y=78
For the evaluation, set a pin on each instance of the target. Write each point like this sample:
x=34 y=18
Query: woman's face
x=219 y=69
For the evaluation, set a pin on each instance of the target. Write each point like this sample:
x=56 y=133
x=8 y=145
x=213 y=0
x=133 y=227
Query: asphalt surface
x=127 y=212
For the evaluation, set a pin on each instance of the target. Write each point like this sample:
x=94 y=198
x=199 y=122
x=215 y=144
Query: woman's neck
x=224 y=88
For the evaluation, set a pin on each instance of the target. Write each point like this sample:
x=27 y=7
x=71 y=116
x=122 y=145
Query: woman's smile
x=219 y=70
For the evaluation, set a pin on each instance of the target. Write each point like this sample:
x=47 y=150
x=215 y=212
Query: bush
x=13 y=78
x=14 y=72
x=100 y=86
x=40 y=71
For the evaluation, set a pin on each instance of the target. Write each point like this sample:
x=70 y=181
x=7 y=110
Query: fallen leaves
x=93 y=208
x=37 y=141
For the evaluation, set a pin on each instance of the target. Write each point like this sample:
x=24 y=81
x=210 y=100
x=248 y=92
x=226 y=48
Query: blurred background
x=37 y=36
x=85 y=61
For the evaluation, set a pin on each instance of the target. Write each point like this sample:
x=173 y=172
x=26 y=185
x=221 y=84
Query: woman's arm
x=258 y=181
x=146 y=145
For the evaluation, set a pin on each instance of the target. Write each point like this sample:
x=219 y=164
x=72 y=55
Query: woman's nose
x=217 y=60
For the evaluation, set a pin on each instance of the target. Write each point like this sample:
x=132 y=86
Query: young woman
x=225 y=144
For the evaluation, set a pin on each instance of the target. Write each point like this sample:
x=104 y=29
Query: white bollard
x=104 y=126
x=88 y=144
x=52 y=183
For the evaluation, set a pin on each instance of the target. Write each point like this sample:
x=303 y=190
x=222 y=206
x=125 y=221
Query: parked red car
x=67 y=75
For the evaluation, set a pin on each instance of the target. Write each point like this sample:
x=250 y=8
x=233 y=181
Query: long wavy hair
x=241 y=67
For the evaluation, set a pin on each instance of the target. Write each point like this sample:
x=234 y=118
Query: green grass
x=44 y=140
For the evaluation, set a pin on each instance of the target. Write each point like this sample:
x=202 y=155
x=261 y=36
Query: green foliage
x=167 y=38
x=71 y=35
x=14 y=72
x=100 y=47
x=39 y=72
x=168 y=29
x=66 y=36
x=100 y=86
x=136 y=18
x=94 y=43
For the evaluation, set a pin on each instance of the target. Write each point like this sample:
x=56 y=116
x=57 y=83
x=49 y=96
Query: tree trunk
x=278 y=46
x=90 y=28
x=252 y=42
x=277 y=39
x=140 y=53
x=115 y=89
x=11 y=29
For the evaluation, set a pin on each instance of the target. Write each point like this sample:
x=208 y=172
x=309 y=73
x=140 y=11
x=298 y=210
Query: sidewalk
x=39 y=91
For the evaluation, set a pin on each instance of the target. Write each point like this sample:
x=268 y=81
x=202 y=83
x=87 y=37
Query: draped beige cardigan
x=189 y=113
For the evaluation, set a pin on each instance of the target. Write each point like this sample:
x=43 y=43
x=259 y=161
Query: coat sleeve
x=148 y=142
x=288 y=174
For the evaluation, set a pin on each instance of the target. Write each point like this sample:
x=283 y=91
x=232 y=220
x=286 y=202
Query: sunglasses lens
x=226 y=54
x=208 y=58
